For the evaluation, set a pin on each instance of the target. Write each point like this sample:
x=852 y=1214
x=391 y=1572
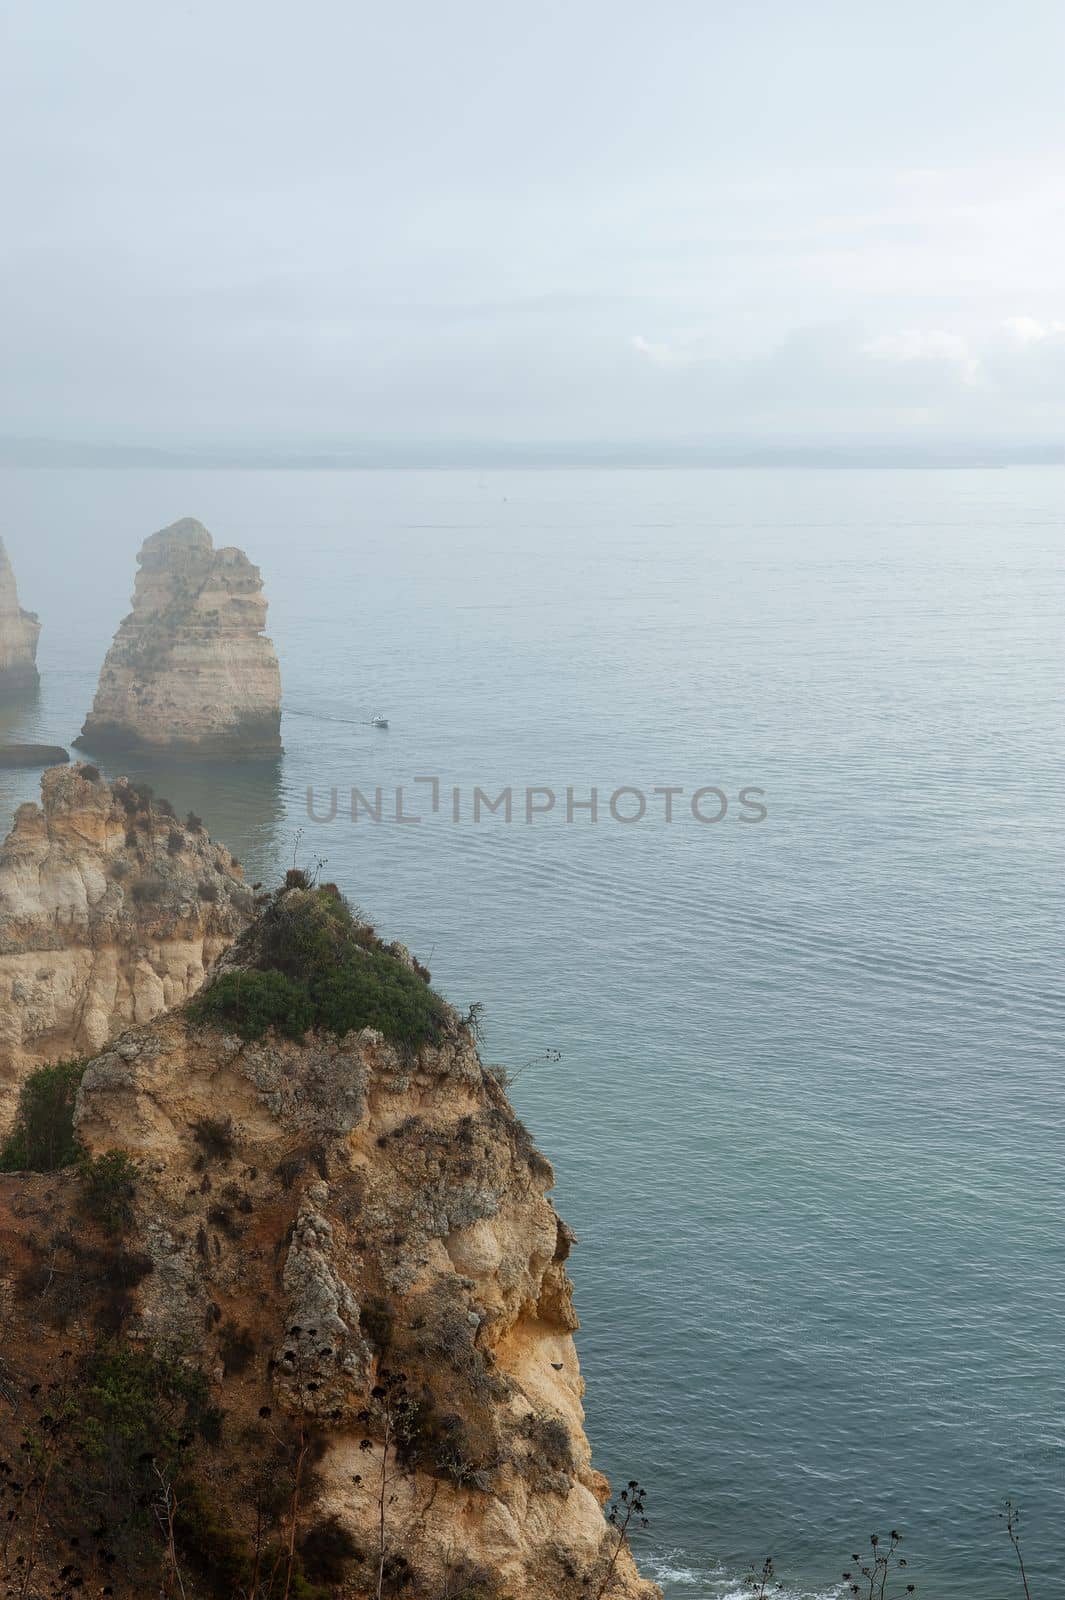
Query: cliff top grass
x=308 y=963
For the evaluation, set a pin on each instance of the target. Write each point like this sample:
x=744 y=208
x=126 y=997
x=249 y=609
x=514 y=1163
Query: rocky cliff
x=111 y=910
x=19 y=632
x=315 y=1303
x=190 y=668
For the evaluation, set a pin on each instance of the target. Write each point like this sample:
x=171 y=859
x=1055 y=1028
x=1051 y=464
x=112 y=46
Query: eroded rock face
x=19 y=632
x=348 y=1244
x=111 y=910
x=338 y=1209
x=190 y=668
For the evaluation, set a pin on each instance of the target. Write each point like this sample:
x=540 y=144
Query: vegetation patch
x=148 y=891
x=237 y=1347
x=376 y=1324
x=140 y=1407
x=134 y=797
x=215 y=1137
x=270 y=1478
x=251 y=1002
x=42 y=1139
x=105 y=1447
x=312 y=965
x=109 y=1184
x=326 y=1551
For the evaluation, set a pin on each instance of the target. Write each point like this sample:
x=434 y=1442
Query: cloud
x=933 y=346
x=848 y=376
x=1027 y=330
x=663 y=355
x=605 y=242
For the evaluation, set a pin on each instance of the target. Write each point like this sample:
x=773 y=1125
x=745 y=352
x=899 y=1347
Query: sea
x=785 y=1009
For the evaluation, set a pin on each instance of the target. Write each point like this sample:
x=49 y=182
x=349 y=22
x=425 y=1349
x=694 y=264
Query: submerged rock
x=190 y=668
x=111 y=910
x=32 y=755
x=19 y=632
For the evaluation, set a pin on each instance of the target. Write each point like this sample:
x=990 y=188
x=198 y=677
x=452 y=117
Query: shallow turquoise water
x=809 y=1117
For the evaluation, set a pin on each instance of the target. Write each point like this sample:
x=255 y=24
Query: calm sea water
x=810 y=1112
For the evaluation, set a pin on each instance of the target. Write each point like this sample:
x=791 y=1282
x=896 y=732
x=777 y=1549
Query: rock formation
x=190 y=668
x=19 y=632
x=347 y=1237
x=110 y=911
x=32 y=755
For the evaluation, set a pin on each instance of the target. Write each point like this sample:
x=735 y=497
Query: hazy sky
x=478 y=219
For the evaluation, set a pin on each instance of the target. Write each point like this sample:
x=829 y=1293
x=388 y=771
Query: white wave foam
x=663 y=1568
x=673 y=1571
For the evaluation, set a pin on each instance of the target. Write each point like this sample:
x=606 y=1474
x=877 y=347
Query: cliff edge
x=331 y=1353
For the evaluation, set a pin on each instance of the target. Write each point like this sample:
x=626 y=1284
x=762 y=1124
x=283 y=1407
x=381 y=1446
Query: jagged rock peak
x=349 y=1234
x=185 y=531
x=190 y=668
x=19 y=632
x=111 y=910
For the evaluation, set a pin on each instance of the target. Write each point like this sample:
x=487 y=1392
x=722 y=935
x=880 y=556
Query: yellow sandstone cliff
x=111 y=911
x=349 y=1237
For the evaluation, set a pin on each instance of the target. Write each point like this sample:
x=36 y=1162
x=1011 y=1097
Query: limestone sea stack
x=111 y=910
x=190 y=668
x=19 y=632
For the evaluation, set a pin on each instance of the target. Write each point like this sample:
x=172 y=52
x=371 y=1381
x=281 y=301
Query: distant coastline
x=484 y=455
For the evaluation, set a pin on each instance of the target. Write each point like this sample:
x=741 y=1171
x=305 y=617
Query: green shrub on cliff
x=376 y=990
x=109 y=1185
x=312 y=965
x=138 y=1404
x=42 y=1139
x=250 y=1002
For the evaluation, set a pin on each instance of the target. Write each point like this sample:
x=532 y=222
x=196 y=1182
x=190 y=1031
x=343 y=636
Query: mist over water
x=809 y=1114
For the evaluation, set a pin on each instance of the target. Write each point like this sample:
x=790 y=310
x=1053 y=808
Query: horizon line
x=36 y=453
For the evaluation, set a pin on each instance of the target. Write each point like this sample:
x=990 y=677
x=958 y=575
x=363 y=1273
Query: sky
x=320 y=225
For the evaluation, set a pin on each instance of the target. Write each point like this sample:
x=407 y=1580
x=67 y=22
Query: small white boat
x=378 y=721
